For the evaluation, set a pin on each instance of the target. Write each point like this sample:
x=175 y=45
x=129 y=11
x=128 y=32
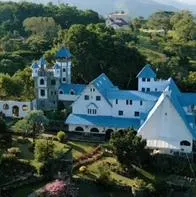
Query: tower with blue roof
x=48 y=80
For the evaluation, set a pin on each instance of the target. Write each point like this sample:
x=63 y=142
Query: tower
x=63 y=64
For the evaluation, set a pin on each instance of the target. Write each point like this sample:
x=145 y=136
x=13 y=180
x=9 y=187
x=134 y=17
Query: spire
x=42 y=62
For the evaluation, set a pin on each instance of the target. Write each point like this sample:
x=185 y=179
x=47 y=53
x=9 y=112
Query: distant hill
x=133 y=7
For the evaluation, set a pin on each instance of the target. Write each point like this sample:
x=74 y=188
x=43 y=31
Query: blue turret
x=42 y=63
x=147 y=72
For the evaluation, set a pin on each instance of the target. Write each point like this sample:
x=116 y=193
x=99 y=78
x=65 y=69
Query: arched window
x=79 y=129
x=6 y=106
x=15 y=111
x=72 y=92
x=185 y=143
x=41 y=81
x=94 y=130
x=61 y=92
x=25 y=108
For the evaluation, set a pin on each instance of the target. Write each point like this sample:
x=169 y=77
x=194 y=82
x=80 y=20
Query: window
x=116 y=101
x=137 y=113
x=155 y=89
x=52 y=93
x=120 y=113
x=185 y=143
x=92 y=111
x=143 y=89
x=141 y=102
x=92 y=89
x=25 y=108
x=41 y=82
x=61 y=92
x=64 y=79
x=143 y=79
x=53 y=82
x=148 y=79
x=148 y=89
x=72 y=92
x=129 y=102
x=86 y=97
x=98 y=98
x=64 y=70
x=5 y=106
x=42 y=92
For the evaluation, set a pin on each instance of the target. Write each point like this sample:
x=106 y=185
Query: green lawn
x=81 y=148
x=93 y=173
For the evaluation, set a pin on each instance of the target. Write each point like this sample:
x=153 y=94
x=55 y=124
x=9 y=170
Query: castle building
x=158 y=110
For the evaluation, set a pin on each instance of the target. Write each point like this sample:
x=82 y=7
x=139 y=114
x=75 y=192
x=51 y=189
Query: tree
x=22 y=127
x=3 y=126
x=160 y=20
x=37 y=122
x=129 y=148
x=61 y=136
x=184 y=26
x=44 y=150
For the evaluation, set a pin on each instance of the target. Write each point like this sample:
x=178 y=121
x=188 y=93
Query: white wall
x=129 y=110
x=165 y=128
x=102 y=130
x=65 y=97
x=160 y=85
x=81 y=105
x=9 y=113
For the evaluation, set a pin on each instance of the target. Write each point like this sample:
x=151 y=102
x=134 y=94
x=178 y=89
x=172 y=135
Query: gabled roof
x=103 y=85
x=172 y=87
x=63 y=53
x=147 y=72
x=187 y=99
x=103 y=121
x=67 y=88
x=173 y=98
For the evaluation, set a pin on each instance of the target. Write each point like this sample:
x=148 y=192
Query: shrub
x=61 y=136
x=55 y=189
x=14 y=150
x=104 y=174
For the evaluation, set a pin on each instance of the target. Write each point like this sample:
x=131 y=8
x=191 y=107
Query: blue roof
x=35 y=65
x=103 y=121
x=147 y=72
x=187 y=99
x=42 y=62
x=63 y=53
x=131 y=95
x=77 y=88
x=104 y=85
x=172 y=87
x=57 y=66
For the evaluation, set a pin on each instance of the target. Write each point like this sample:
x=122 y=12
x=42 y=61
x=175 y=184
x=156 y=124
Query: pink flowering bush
x=56 y=189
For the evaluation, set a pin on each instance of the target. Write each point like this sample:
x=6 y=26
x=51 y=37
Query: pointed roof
x=172 y=87
x=174 y=100
x=35 y=65
x=63 y=53
x=42 y=61
x=56 y=66
x=103 y=85
x=147 y=72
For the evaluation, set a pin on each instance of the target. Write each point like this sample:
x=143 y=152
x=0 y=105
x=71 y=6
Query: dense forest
x=30 y=30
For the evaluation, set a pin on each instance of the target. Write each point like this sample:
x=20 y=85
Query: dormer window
x=72 y=92
x=143 y=79
x=148 y=79
x=147 y=89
